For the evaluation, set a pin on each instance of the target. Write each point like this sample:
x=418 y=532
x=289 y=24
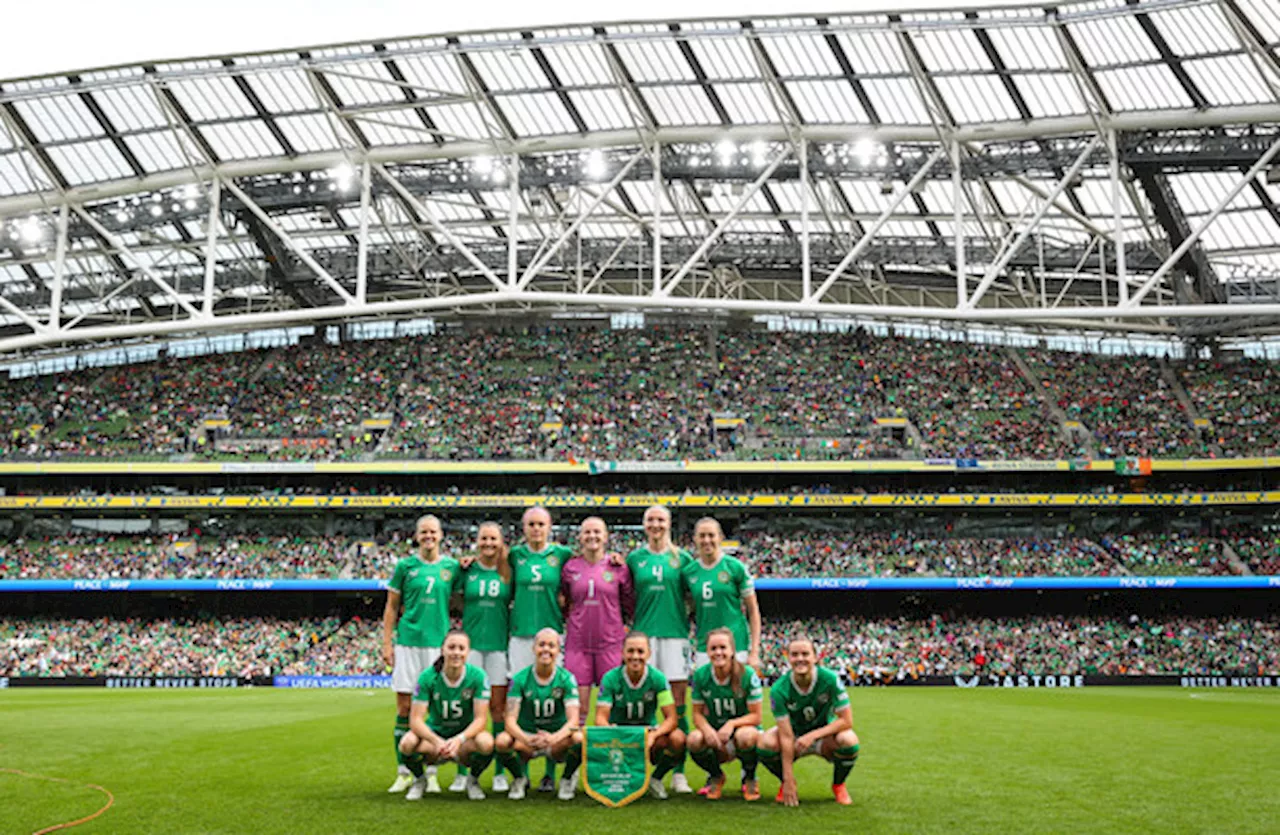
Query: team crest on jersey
x=607 y=577
x=823 y=698
x=674 y=562
x=445 y=575
x=723 y=576
x=648 y=697
x=468 y=693
x=553 y=560
x=557 y=693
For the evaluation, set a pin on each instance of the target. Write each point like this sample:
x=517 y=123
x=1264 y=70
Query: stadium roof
x=982 y=164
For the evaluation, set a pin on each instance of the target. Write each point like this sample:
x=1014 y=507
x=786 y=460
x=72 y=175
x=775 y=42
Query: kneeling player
x=728 y=702
x=814 y=717
x=542 y=718
x=448 y=719
x=632 y=695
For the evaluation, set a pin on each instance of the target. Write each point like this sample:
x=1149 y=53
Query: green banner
x=615 y=762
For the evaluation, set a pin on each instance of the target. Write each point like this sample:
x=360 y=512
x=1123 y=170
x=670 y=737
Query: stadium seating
x=601 y=394
x=863 y=648
x=798 y=554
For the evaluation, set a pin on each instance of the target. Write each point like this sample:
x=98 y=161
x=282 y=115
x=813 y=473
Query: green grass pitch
x=933 y=760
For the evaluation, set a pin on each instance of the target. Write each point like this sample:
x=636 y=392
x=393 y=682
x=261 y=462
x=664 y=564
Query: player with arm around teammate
x=633 y=694
x=414 y=623
x=449 y=716
x=542 y=718
x=728 y=707
x=486 y=619
x=656 y=574
x=813 y=717
x=598 y=598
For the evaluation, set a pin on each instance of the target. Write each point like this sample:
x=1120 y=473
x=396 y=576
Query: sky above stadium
x=44 y=38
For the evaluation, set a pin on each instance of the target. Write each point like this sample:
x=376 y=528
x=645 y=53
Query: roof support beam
x=1190 y=240
x=138 y=264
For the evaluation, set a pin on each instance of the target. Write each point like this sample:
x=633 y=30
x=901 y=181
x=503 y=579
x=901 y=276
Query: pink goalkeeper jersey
x=599 y=597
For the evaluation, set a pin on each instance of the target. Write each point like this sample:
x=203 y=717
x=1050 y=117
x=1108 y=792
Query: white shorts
x=494 y=665
x=814 y=749
x=701 y=658
x=671 y=657
x=410 y=662
x=520 y=655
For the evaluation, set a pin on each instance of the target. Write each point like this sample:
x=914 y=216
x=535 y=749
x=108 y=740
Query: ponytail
x=438 y=664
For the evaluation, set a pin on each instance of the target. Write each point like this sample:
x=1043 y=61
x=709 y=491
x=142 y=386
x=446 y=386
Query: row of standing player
x=510 y=596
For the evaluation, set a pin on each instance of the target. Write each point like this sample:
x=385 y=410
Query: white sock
x=404 y=769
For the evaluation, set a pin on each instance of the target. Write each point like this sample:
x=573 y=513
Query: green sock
x=666 y=761
x=497 y=767
x=551 y=769
x=845 y=760
x=414 y=762
x=572 y=760
x=402 y=728
x=772 y=760
x=682 y=722
x=478 y=763
x=708 y=762
x=749 y=757
x=513 y=763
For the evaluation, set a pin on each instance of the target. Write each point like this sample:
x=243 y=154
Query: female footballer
x=542 y=718
x=450 y=712
x=599 y=597
x=728 y=706
x=813 y=717
x=414 y=623
x=723 y=595
x=632 y=695
x=486 y=620
x=661 y=613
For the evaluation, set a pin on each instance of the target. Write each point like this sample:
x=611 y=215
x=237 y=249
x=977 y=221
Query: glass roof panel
x=536 y=114
x=58 y=118
x=436 y=74
x=462 y=120
x=14 y=177
x=806 y=55
x=131 y=108
x=975 y=99
x=365 y=82
x=242 y=140
x=209 y=99
x=1240 y=229
x=748 y=104
x=827 y=102
x=1114 y=40
x=1265 y=16
x=307 y=133
x=1050 y=95
x=604 y=109
x=896 y=101
x=1151 y=87
x=655 y=61
x=157 y=151
x=875 y=53
x=286 y=91
x=579 y=65
x=511 y=70
x=725 y=58
x=950 y=50
x=679 y=105
x=89 y=162
x=1027 y=48
x=1195 y=31
x=394 y=127
x=1198 y=192
x=1230 y=79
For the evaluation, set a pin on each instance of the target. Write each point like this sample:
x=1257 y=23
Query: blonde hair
x=671 y=549
x=504 y=552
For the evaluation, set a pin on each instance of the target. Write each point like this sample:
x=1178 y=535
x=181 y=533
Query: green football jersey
x=721 y=702
x=537 y=586
x=486 y=608
x=634 y=705
x=812 y=709
x=451 y=707
x=425 y=589
x=717 y=594
x=542 y=706
x=660 y=609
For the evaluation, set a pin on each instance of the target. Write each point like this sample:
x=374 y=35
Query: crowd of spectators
x=637 y=394
x=204 y=646
x=1241 y=401
x=861 y=648
x=795 y=554
x=889 y=648
x=1165 y=554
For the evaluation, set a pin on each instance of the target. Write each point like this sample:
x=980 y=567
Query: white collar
x=796 y=687
x=626 y=678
